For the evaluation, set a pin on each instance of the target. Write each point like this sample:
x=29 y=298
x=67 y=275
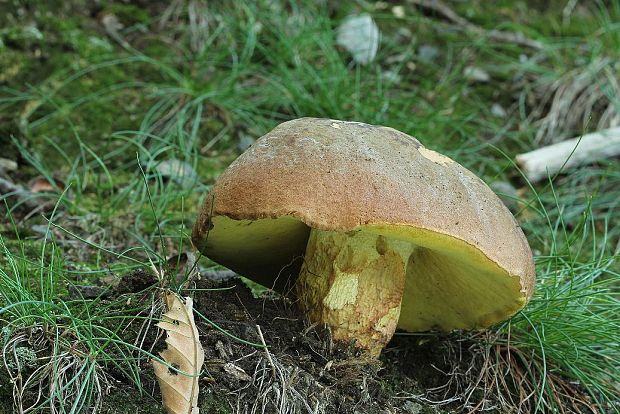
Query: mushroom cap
x=472 y=266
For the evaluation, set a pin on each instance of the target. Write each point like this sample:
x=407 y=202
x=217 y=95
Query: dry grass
x=52 y=370
x=280 y=384
x=583 y=98
x=488 y=375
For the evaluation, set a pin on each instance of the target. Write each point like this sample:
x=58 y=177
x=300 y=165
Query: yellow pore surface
x=449 y=284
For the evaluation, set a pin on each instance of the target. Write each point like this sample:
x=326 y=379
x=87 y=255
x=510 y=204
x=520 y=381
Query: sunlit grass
x=570 y=328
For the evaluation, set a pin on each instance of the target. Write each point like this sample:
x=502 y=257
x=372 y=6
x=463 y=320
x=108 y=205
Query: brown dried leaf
x=179 y=386
x=41 y=184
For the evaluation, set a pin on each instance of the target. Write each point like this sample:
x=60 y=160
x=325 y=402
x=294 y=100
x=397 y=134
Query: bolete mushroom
x=372 y=230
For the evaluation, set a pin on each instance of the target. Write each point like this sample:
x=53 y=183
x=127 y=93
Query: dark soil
x=302 y=370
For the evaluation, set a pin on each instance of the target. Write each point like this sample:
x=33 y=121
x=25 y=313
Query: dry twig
x=499 y=36
x=262 y=341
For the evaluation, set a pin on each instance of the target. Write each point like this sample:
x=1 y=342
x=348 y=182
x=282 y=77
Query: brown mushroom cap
x=473 y=266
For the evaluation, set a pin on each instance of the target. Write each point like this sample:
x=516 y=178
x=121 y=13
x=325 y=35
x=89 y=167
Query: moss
x=210 y=403
x=128 y=14
x=127 y=400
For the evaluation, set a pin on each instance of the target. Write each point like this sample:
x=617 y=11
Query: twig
x=574 y=152
x=262 y=340
x=464 y=24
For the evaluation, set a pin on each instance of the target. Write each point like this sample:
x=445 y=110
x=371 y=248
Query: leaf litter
x=178 y=377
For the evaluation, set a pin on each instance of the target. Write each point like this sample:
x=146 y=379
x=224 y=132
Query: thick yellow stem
x=354 y=283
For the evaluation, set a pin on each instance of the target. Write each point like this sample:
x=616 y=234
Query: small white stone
x=391 y=76
x=359 y=35
x=476 y=74
x=7 y=165
x=498 y=110
x=176 y=170
x=398 y=12
x=427 y=53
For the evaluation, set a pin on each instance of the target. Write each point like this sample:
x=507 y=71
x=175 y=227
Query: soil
x=302 y=371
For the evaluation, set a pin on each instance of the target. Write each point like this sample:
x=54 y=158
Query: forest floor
x=117 y=116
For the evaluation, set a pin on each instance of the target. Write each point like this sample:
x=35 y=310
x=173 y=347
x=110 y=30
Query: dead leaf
x=7 y=186
x=179 y=386
x=111 y=23
x=236 y=371
x=23 y=196
x=41 y=184
x=398 y=11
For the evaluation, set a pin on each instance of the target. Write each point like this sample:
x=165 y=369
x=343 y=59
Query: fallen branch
x=499 y=36
x=550 y=160
x=262 y=340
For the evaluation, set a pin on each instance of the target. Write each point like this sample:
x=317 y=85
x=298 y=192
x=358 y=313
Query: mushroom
x=371 y=231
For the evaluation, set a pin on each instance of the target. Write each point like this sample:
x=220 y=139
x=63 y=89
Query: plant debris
x=178 y=378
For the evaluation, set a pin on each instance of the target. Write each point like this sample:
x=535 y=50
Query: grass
x=57 y=350
x=189 y=82
x=570 y=327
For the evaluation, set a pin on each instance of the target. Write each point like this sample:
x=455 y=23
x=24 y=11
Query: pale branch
x=583 y=150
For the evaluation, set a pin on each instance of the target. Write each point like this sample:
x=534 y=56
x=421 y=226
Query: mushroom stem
x=354 y=283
